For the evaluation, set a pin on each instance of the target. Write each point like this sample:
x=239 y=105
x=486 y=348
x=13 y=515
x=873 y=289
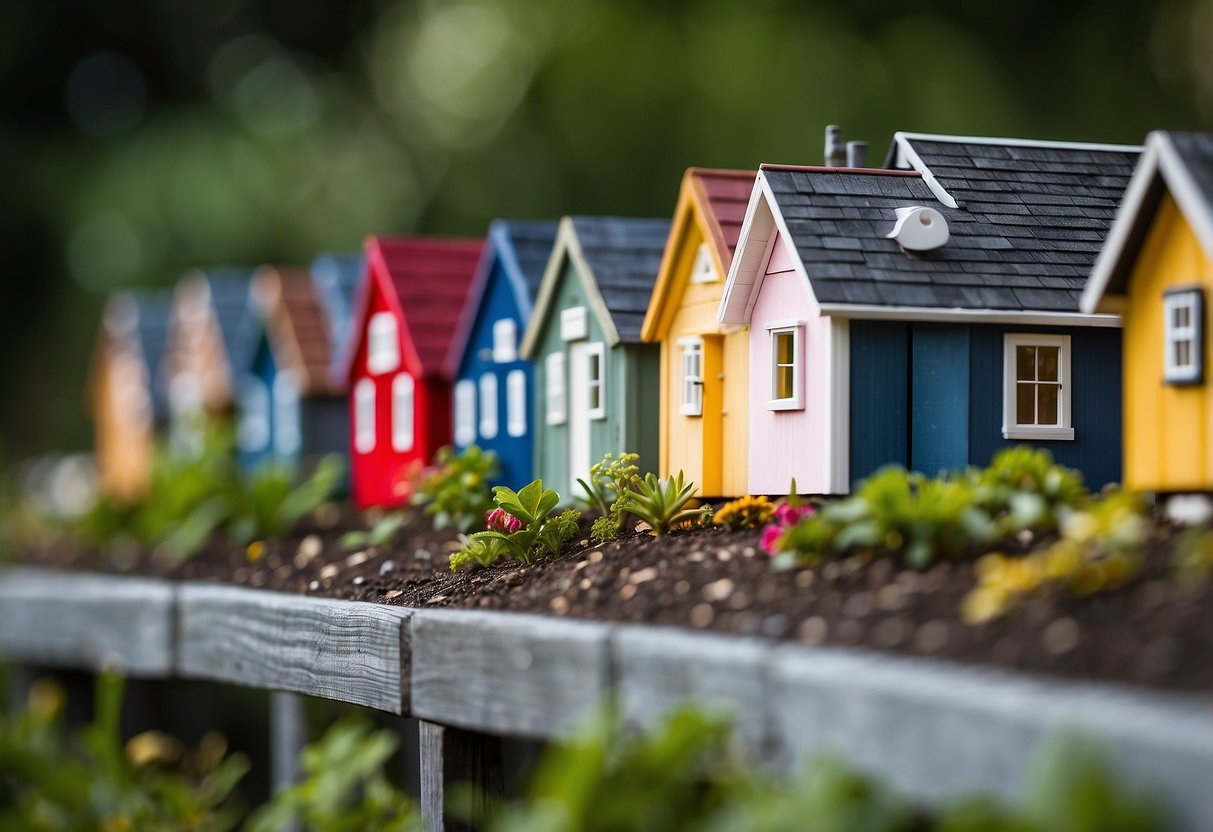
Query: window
x=383 y=344
x=402 y=413
x=574 y=324
x=1036 y=401
x=488 y=406
x=595 y=380
x=515 y=403
x=253 y=432
x=787 y=365
x=505 y=341
x=465 y=412
x=287 y=438
x=553 y=372
x=364 y=416
x=692 y=376
x=1183 y=360
x=704 y=270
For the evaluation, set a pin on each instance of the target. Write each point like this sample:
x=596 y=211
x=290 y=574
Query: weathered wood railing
x=931 y=728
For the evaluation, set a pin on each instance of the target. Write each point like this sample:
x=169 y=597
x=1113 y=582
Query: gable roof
x=522 y=248
x=136 y=320
x=1026 y=221
x=716 y=200
x=336 y=277
x=425 y=281
x=617 y=260
x=294 y=323
x=1179 y=163
x=227 y=292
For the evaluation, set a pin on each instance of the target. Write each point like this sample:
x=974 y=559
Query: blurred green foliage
x=455 y=492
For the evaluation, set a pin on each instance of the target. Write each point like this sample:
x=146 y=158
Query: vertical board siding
x=264 y=368
x=939 y=392
x=642 y=363
x=880 y=396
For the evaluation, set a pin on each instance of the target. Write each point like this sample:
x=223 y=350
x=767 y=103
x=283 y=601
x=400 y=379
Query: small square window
x=787 y=365
x=505 y=341
x=1183 y=336
x=1037 y=397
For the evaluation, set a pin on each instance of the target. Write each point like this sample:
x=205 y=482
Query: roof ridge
x=737 y=173
x=850 y=171
x=1003 y=141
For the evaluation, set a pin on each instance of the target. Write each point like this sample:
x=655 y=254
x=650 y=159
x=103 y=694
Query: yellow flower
x=46 y=698
x=984 y=604
x=152 y=747
x=255 y=551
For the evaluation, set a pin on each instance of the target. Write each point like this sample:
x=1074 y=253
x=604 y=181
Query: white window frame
x=364 y=416
x=691 y=383
x=404 y=409
x=1063 y=430
x=382 y=343
x=574 y=324
x=598 y=348
x=515 y=403
x=288 y=438
x=488 y=406
x=796 y=328
x=704 y=270
x=555 y=387
x=1192 y=299
x=505 y=341
x=465 y=412
x=253 y=429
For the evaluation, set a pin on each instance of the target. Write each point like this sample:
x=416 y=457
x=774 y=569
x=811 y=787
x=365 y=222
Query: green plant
x=662 y=506
x=456 y=492
x=1192 y=557
x=1023 y=489
x=270 y=502
x=344 y=788
x=540 y=531
x=610 y=478
x=604 y=529
x=380 y=534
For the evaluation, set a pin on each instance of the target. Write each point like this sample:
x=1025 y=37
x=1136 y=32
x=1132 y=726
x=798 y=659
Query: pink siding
x=788 y=443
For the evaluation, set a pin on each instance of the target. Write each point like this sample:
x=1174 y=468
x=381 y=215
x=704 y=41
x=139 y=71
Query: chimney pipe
x=836 y=154
x=857 y=154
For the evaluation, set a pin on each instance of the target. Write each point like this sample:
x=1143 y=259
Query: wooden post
x=452 y=755
x=288 y=735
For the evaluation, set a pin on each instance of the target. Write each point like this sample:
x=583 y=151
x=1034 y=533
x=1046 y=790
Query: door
x=579 y=415
x=711 y=448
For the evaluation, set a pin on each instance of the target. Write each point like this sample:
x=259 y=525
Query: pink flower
x=769 y=536
x=499 y=521
x=788 y=515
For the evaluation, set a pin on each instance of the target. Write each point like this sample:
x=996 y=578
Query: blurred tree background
x=139 y=138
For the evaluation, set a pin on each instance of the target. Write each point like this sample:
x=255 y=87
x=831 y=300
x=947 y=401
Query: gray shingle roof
x=1196 y=151
x=532 y=244
x=151 y=329
x=624 y=256
x=232 y=301
x=1029 y=223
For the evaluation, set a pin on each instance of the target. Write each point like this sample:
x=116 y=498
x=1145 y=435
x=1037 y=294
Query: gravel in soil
x=1149 y=632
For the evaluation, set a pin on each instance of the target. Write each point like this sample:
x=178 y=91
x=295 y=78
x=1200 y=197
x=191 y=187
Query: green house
x=597 y=386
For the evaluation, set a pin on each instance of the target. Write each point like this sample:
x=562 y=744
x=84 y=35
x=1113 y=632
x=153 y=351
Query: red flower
x=499 y=521
x=788 y=515
x=769 y=535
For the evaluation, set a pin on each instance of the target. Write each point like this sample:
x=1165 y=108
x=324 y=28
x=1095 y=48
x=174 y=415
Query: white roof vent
x=919 y=228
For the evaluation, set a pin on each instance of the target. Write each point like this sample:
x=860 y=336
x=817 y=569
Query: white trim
x=253 y=426
x=488 y=406
x=288 y=438
x=955 y=315
x=382 y=343
x=783 y=323
x=515 y=403
x=555 y=389
x=1063 y=429
x=596 y=350
x=1190 y=298
x=403 y=413
x=364 y=416
x=838 y=430
x=505 y=340
x=574 y=324
x=1005 y=141
x=691 y=383
x=703 y=270
x=796 y=400
x=465 y=412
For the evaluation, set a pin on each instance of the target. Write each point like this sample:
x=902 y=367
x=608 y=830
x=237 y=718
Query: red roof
x=426 y=281
x=725 y=194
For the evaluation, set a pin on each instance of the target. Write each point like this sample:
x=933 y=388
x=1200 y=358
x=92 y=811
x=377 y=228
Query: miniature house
x=492 y=402
x=596 y=382
x=927 y=315
x=704 y=364
x=123 y=397
x=399 y=395
x=208 y=333
x=336 y=278
x=1156 y=271
x=289 y=406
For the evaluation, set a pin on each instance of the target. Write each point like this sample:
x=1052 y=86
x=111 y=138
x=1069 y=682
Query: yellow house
x=704 y=389
x=1156 y=270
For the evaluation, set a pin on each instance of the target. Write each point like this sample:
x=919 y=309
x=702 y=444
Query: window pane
x=1047 y=398
x=595 y=366
x=783 y=382
x=1183 y=315
x=1046 y=363
x=1025 y=363
x=783 y=347
x=1025 y=404
x=1183 y=353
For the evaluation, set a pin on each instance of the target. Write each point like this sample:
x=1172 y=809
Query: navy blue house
x=492 y=400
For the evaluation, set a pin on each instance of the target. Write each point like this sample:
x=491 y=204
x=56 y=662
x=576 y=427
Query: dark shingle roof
x=336 y=277
x=624 y=256
x=1196 y=151
x=152 y=307
x=232 y=302
x=532 y=244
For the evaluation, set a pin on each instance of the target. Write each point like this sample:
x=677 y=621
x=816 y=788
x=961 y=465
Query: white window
x=402 y=413
x=574 y=324
x=704 y=270
x=595 y=380
x=515 y=403
x=465 y=412
x=553 y=372
x=1183 y=360
x=383 y=344
x=692 y=376
x=488 y=405
x=253 y=432
x=364 y=416
x=787 y=365
x=505 y=341
x=1036 y=375
x=287 y=438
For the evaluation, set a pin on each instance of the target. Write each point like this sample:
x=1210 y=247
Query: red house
x=400 y=397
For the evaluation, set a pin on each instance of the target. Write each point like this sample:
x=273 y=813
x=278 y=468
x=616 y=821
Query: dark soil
x=1149 y=632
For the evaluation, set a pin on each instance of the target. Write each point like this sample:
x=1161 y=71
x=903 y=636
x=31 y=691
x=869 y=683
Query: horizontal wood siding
x=880 y=396
x=939 y=439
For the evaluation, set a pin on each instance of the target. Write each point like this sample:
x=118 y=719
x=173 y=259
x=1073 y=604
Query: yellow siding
x=1167 y=428
x=123 y=439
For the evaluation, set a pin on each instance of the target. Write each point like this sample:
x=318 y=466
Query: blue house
x=927 y=314
x=492 y=398
x=336 y=278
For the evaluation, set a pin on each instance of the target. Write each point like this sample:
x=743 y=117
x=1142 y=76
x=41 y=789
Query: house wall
x=124 y=432
x=516 y=452
x=880 y=396
x=265 y=370
x=1168 y=429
